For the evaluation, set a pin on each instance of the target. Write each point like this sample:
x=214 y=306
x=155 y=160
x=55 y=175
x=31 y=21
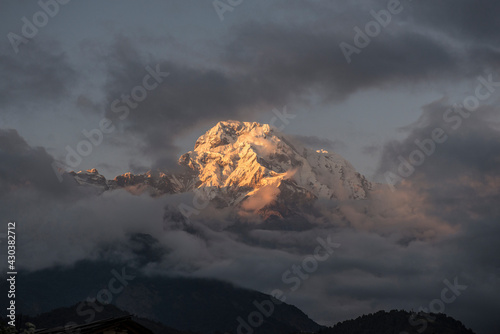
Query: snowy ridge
x=243 y=154
x=249 y=165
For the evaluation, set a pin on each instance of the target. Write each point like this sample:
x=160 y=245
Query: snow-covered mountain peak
x=228 y=132
x=246 y=156
x=251 y=166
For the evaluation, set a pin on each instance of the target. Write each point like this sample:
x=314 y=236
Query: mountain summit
x=250 y=165
x=236 y=155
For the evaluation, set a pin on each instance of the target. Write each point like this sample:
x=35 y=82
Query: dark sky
x=261 y=56
x=426 y=68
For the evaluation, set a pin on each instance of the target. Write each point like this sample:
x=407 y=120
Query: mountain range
x=248 y=166
x=251 y=170
x=187 y=304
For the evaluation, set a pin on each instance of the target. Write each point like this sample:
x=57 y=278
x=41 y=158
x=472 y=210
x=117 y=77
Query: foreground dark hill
x=382 y=322
x=186 y=304
x=399 y=322
x=63 y=316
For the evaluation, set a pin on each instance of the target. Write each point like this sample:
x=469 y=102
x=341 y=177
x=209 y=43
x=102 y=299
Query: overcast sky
x=367 y=79
x=261 y=56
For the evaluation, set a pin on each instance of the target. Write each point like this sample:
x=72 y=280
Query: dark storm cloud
x=292 y=59
x=372 y=150
x=266 y=67
x=87 y=105
x=459 y=182
x=473 y=20
x=23 y=166
x=460 y=179
x=188 y=97
x=40 y=73
x=60 y=219
x=470 y=149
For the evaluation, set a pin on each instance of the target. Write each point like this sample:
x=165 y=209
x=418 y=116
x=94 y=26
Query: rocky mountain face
x=251 y=166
